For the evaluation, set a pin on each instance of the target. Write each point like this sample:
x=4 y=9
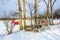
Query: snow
x=2 y=28
x=56 y=21
x=51 y=34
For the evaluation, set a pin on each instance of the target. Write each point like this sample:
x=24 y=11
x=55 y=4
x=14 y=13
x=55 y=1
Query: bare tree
x=31 y=6
x=9 y=23
x=47 y=4
x=9 y=26
x=51 y=6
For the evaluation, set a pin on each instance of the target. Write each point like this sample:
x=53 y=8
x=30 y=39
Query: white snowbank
x=51 y=34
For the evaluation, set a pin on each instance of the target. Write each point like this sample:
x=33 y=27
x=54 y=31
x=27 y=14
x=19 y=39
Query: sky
x=7 y=6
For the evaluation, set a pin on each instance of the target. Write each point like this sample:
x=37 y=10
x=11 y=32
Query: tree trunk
x=52 y=16
x=24 y=5
x=35 y=13
x=31 y=19
x=20 y=12
x=51 y=6
x=47 y=12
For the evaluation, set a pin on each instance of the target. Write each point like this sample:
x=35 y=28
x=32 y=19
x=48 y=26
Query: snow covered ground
x=51 y=34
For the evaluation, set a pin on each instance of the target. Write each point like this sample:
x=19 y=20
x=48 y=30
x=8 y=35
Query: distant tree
x=57 y=13
x=14 y=14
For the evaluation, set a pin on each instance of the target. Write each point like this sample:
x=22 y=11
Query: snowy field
x=51 y=34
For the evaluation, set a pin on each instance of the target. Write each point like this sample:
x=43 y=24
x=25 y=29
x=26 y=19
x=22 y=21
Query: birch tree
x=52 y=2
x=47 y=6
x=20 y=14
x=24 y=7
x=35 y=12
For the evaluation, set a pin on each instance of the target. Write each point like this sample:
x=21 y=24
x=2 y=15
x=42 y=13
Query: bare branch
x=31 y=7
x=54 y=2
x=45 y=2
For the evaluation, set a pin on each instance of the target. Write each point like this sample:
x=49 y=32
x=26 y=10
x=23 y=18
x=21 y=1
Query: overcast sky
x=7 y=6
